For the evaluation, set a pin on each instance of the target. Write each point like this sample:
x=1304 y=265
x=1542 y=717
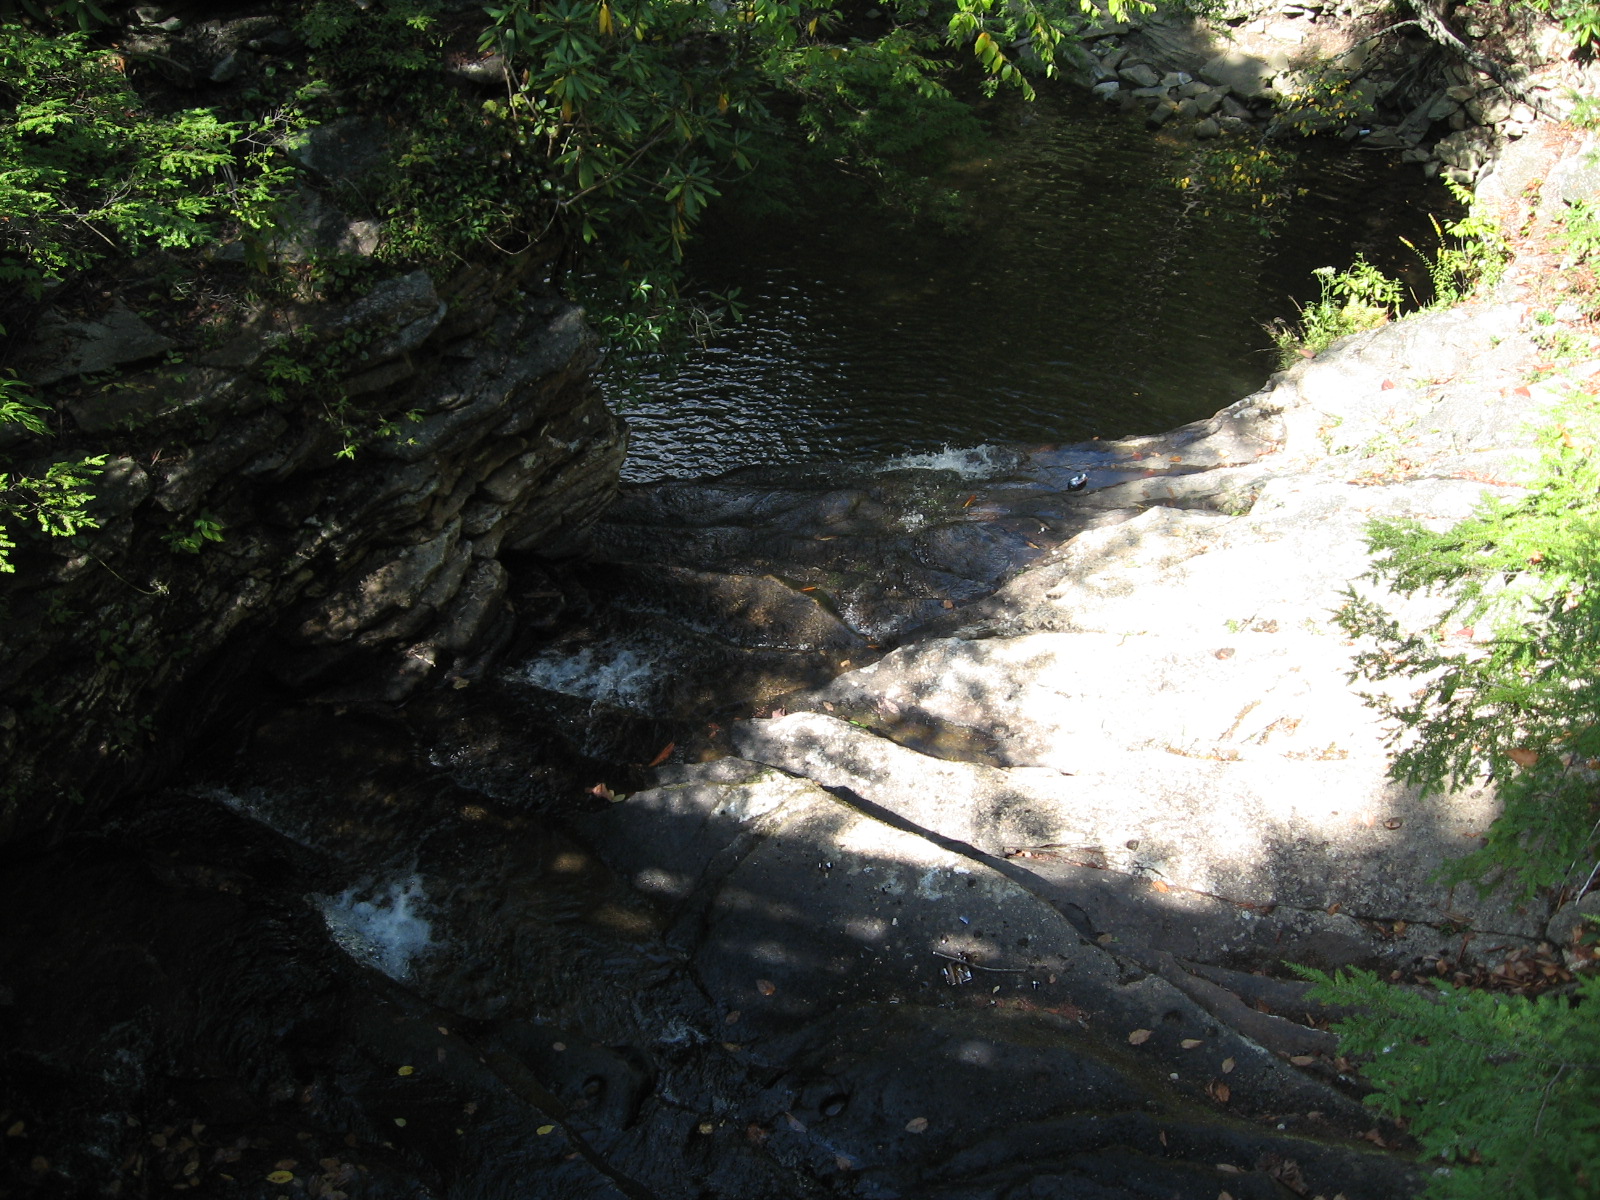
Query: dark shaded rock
x=65 y=346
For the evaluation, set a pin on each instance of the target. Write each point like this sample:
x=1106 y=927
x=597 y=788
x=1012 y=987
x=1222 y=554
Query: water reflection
x=1090 y=296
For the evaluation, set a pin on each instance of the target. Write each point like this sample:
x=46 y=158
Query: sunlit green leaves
x=85 y=171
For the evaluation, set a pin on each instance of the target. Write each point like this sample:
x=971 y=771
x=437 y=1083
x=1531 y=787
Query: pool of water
x=1089 y=296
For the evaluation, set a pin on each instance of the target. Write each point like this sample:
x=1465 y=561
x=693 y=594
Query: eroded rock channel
x=972 y=909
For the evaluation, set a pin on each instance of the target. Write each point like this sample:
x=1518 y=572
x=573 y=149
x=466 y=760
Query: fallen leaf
x=917 y=1125
x=1304 y=353
x=666 y=752
x=1221 y=1092
x=1393 y=823
x=795 y=1123
x=1521 y=391
x=1523 y=757
x=1228 y=1065
x=1175 y=457
x=400 y=1121
x=1303 y=1060
x=947 y=604
x=558 y=1047
x=1230 y=1169
x=766 y=987
x=968 y=502
x=1224 y=1196
x=1163 y=1136
x=1191 y=1043
x=843 y=1163
x=16 y=1130
x=406 y=1071
x=756 y=1135
x=812 y=588
x=1333 y=909
x=1387 y=386
x=602 y=791
x=1139 y=1037
x=732 y=1018
x=281 y=1177
x=286 y=1164
x=1157 y=885
x=545 y=1130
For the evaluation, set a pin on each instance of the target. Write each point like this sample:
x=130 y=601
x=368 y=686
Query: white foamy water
x=606 y=673
x=381 y=926
x=973 y=462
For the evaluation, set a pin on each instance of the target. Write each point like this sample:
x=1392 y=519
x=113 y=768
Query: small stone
x=1206 y=128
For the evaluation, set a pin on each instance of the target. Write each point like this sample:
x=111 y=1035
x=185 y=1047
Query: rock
x=1163 y=112
x=398 y=314
x=1443 y=108
x=1575 y=931
x=65 y=346
x=1107 y=90
x=1246 y=76
x=1112 y=58
x=342 y=150
x=1490 y=107
x=1140 y=76
x=1206 y=128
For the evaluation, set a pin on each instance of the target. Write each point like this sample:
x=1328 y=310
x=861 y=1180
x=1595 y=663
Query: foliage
x=644 y=110
x=1505 y=1087
x=1472 y=252
x=87 y=173
x=1580 y=18
x=1255 y=173
x=85 y=14
x=1360 y=297
x=58 y=500
x=1521 y=702
x=1580 y=230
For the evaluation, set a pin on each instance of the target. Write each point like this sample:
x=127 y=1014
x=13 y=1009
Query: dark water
x=1090 y=296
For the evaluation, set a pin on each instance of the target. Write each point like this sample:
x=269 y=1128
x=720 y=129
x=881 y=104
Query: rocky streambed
x=983 y=817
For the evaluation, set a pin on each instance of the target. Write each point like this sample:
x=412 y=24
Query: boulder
x=65 y=346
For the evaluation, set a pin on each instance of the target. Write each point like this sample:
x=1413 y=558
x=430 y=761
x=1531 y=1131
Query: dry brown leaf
x=917 y=1125
x=1523 y=757
x=1227 y=1066
x=766 y=987
x=795 y=1123
x=1191 y=1043
x=1139 y=1037
x=1303 y=1060
x=1230 y=1169
x=666 y=753
x=1158 y=886
x=843 y=1163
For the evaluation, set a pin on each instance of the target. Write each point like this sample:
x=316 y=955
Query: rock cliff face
x=351 y=577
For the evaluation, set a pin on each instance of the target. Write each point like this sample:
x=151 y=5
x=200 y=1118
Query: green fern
x=1505 y=1089
x=1520 y=704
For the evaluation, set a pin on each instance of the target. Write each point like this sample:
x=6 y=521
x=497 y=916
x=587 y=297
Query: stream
x=1089 y=296
x=364 y=952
